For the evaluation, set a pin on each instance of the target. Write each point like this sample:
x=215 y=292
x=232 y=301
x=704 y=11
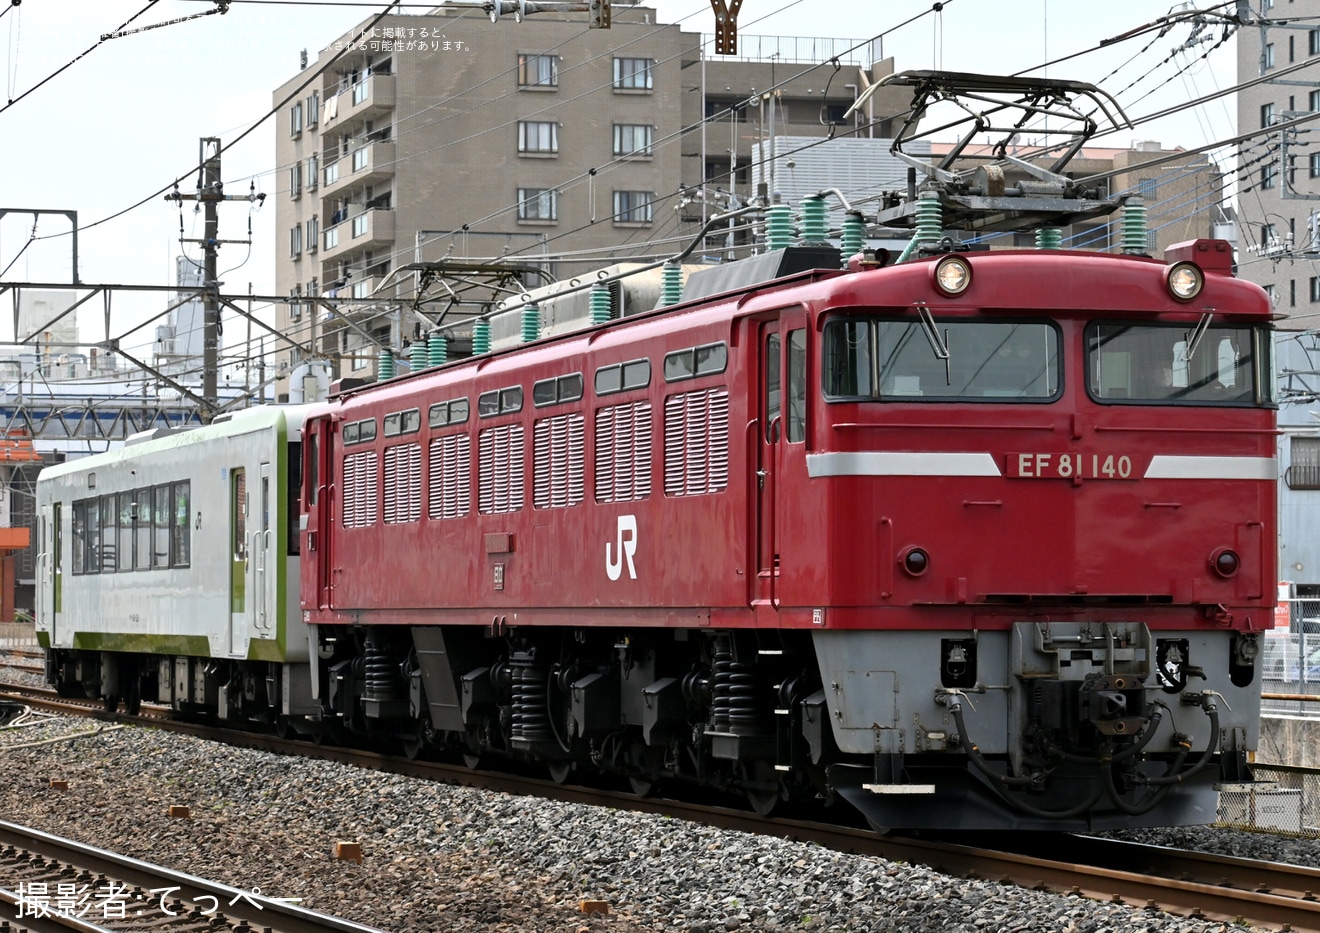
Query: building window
x=361 y=224
x=1267 y=235
x=1267 y=57
x=1315 y=288
x=313 y=108
x=1315 y=165
x=313 y=173
x=295 y=181
x=1304 y=467
x=1147 y=188
x=538 y=137
x=295 y=241
x=295 y=119
x=361 y=158
x=538 y=204
x=632 y=74
x=1268 y=172
x=332 y=238
x=632 y=207
x=1267 y=115
x=313 y=234
x=1313 y=45
x=538 y=71
x=632 y=139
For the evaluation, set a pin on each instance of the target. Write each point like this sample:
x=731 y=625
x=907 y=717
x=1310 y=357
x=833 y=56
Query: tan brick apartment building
x=445 y=135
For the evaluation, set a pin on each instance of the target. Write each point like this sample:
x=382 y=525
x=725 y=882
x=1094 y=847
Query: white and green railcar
x=168 y=570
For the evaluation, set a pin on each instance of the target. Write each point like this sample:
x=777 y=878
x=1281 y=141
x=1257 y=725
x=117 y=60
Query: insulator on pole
x=1049 y=238
x=437 y=349
x=531 y=323
x=671 y=283
x=385 y=368
x=480 y=338
x=778 y=226
x=813 y=224
x=853 y=238
x=600 y=303
x=1134 y=227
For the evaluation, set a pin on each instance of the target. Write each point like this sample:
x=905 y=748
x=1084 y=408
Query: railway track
x=63 y=885
x=1189 y=884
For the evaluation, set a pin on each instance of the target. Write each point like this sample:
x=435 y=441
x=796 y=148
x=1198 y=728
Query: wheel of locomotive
x=560 y=771
x=282 y=728
x=413 y=745
x=644 y=763
x=763 y=799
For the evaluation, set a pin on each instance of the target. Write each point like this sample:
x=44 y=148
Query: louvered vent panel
x=623 y=452
x=449 y=477
x=697 y=442
x=502 y=466
x=403 y=484
x=361 y=474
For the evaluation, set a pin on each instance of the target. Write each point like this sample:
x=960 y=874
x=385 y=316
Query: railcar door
x=239 y=562
x=50 y=571
x=318 y=458
x=769 y=426
x=262 y=558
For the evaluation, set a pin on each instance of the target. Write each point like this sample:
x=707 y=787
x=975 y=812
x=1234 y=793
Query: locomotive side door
x=263 y=559
x=49 y=571
x=318 y=461
x=768 y=428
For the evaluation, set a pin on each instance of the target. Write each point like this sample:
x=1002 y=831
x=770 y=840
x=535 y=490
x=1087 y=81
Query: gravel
x=443 y=858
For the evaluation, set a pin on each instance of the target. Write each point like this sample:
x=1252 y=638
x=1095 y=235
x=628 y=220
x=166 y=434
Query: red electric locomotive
x=982 y=539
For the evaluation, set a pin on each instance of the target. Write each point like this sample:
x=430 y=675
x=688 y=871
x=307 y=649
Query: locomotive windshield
x=895 y=360
x=1175 y=363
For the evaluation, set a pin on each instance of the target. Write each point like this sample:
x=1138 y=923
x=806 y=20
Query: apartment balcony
x=367 y=165
x=367 y=230
x=369 y=99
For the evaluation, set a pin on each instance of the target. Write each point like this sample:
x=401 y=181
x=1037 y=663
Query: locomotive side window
x=897 y=360
x=500 y=402
x=634 y=374
x=706 y=360
x=554 y=391
x=161 y=521
x=796 y=397
x=446 y=413
x=1173 y=363
x=79 y=536
x=772 y=389
x=182 y=538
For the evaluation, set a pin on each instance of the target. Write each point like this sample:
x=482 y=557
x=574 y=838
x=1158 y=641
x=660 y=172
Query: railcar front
x=168 y=570
x=1042 y=486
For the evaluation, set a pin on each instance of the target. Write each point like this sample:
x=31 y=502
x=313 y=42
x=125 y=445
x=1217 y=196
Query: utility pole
x=210 y=192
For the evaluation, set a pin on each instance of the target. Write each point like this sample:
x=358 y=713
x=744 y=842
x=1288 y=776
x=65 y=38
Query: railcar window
x=108 y=532
x=181 y=547
x=313 y=466
x=93 y=561
x=367 y=430
x=555 y=391
x=634 y=374
x=294 y=496
x=402 y=422
x=1171 y=363
x=160 y=523
x=796 y=415
x=706 y=360
x=351 y=433
x=772 y=388
x=500 y=402
x=126 y=507
x=447 y=413
x=79 y=516
x=895 y=360
x=142 y=529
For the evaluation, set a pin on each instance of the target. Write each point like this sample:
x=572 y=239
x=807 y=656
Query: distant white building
x=180 y=341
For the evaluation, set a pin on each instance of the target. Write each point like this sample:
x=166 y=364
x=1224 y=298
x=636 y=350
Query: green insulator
x=853 y=239
x=778 y=226
x=531 y=323
x=418 y=358
x=385 y=368
x=480 y=338
x=812 y=223
x=600 y=304
x=671 y=283
x=930 y=223
x=1049 y=238
x=437 y=349
x=1134 y=226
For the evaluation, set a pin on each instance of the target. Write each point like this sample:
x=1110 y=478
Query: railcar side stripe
x=901 y=463
x=1164 y=466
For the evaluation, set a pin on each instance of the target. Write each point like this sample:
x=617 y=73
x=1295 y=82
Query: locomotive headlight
x=1225 y=562
x=952 y=275
x=914 y=561
x=1185 y=281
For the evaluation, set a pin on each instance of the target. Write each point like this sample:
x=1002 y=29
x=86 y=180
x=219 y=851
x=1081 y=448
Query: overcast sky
x=125 y=120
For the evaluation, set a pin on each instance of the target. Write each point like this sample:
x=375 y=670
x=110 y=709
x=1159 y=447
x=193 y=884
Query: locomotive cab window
x=1177 y=363
x=902 y=360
